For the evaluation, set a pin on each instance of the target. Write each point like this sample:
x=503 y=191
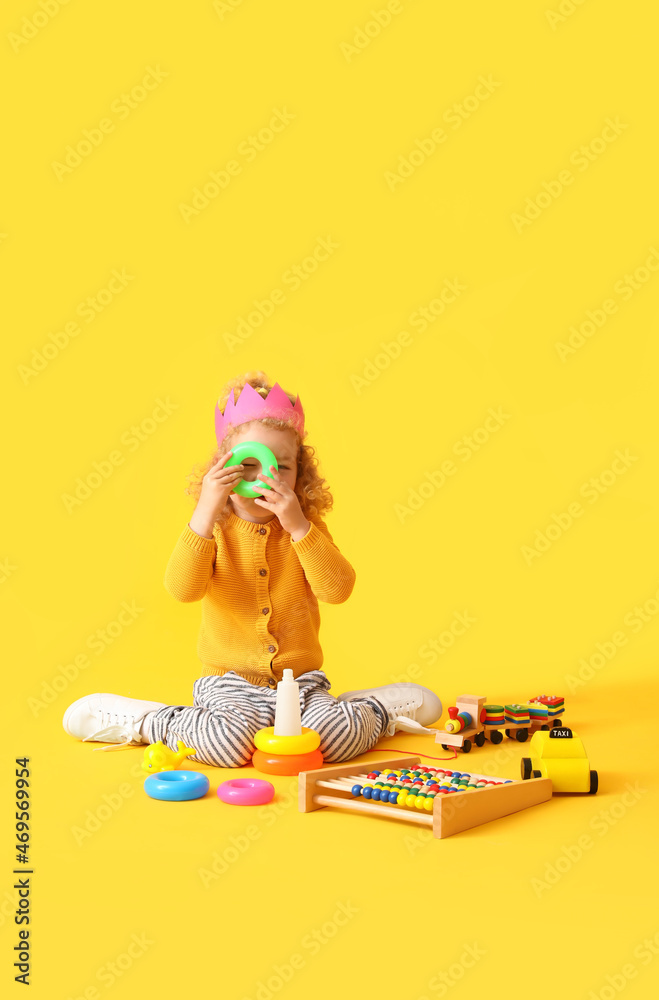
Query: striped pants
x=228 y=711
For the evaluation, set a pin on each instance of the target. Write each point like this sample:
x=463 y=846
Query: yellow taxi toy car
x=559 y=754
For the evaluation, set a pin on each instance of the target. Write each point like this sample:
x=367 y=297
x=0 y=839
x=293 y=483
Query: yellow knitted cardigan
x=259 y=593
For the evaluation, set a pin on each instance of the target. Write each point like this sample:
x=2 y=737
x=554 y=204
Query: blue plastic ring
x=176 y=786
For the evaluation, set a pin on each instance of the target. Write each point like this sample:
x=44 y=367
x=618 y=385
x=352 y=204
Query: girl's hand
x=218 y=483
x=283 y=502
x=216 y=486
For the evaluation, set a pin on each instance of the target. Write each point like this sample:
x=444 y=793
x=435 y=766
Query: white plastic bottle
x=287 y=711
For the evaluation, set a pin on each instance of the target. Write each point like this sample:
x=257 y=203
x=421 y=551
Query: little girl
x=259 y=567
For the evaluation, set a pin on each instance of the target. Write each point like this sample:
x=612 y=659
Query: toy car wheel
x=544 y=728
x=479 y=739
x=593 y=783
x=445 y=746
x=536 y=774
x=495 y=737
x=508 y=733
x=526 y=768
x=466 y=746
x=522 y=735
x=556 y=724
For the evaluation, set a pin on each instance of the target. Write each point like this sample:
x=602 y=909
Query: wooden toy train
x=472 y=721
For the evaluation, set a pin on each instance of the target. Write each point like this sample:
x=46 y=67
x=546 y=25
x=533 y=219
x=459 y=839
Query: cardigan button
x=262 y=572
x=272 y=682
x=265 y=610
x=271 y=649
x=262 y=531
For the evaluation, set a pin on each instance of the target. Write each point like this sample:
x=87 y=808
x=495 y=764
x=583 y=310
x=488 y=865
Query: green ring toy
x=262 y=454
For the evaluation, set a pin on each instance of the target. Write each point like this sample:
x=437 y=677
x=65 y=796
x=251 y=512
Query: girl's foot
x=107 y=718
x=410 y=707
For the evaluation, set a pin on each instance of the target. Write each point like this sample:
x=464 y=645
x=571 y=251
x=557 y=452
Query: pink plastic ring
x=246 y=792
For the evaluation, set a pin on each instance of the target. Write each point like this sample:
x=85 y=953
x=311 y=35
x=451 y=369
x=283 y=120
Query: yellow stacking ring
x=266 y=741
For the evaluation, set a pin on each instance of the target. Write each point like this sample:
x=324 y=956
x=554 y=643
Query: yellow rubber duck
x=158 y=757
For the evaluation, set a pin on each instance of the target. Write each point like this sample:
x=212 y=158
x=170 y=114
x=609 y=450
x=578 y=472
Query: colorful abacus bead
x=423 y=785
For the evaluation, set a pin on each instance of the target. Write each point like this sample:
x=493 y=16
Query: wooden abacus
x=331 y=786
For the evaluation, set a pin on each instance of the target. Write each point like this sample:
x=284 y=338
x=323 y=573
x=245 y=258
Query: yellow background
x=416 y=905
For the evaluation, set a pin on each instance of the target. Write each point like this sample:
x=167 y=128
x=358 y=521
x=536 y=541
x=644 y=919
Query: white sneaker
x=102 y=718
x=410 y=707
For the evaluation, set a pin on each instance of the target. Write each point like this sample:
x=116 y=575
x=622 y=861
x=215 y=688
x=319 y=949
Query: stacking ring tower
x=288 y=747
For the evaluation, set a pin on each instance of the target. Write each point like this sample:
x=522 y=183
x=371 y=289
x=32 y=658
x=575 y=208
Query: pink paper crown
x=252 y=406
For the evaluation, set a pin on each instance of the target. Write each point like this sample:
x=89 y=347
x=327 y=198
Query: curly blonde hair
x=314 y=495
